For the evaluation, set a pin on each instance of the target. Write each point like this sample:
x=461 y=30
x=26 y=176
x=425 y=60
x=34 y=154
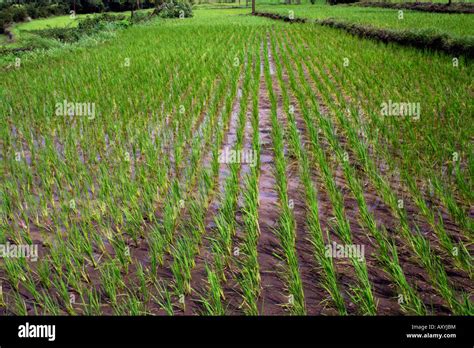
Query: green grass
x=51 y=22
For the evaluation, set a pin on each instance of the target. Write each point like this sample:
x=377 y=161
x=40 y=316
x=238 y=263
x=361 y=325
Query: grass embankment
x=460 y=7
x=452 y=33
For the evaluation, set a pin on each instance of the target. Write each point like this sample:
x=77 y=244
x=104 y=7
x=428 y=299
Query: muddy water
x=198 y=274
x=232 y=295
x=313 y=293
x=344 y=270
x=272 y=294
x=232 y=290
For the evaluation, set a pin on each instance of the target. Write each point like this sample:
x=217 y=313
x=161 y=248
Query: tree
x=134 y=3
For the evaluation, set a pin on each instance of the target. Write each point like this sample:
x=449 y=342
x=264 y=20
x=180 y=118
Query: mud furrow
x=198 y=274
x=269 y=250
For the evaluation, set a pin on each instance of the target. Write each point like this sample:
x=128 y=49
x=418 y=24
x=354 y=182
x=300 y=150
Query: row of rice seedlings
x=225 y=219
x=14 y=271
x=162 y=236
x=208 y=179
x=387 y=249
x=379 y=129
x=362 y=292
x=60 y=279
x=448 y=200
x=329 y=278
x=212 y=303
x=249 y=275
x=111 y=281
x=417 y=242
x=458 y=251
x=184 y=256
x=286 y=230
x=186 y=246
x=130 y=299
x=69 y=277
x=183 y=129
x=19 y=275
x=221 y=242
x=123 y=298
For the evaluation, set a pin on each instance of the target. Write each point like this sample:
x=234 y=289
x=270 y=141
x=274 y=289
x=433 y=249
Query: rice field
x=234 y=165
x=457 y=26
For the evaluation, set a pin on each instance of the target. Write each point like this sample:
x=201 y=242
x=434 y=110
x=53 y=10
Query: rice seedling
x=213 y=303
x=286 y=228
x=111 y=168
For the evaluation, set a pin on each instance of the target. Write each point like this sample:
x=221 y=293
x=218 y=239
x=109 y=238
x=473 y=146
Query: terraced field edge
x=419 y=40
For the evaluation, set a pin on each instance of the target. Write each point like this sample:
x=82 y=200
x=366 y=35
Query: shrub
x=174 y=9
x=61 y=34
x=19 y=13
x=89 y=6
x=140 y=17
x=335 y=2
x=55 y=10
x=95 y=23
x=32 y=10
x=43 y=12
x=6 y=19
x=35 y=42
